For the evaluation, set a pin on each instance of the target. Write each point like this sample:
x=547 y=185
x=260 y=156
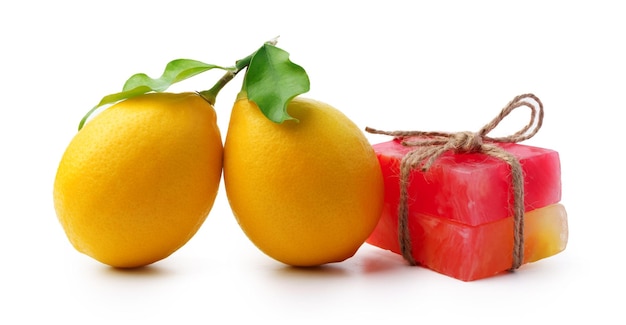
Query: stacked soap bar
x=460 y=219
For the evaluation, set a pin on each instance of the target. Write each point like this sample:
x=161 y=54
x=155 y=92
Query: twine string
x=429 y=146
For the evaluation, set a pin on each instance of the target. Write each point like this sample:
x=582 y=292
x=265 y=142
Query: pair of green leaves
x=271 y=81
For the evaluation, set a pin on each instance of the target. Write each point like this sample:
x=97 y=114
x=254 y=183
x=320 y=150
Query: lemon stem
x=211 y=94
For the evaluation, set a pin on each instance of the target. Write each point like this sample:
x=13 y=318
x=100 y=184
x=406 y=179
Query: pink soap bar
x=474 y=252
x=473 y=188
x=460 y=218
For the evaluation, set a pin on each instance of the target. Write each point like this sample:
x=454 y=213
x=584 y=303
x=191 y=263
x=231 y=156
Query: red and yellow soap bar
x=460 y=220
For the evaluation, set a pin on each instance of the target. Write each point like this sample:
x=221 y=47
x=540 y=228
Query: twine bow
x=431 y=145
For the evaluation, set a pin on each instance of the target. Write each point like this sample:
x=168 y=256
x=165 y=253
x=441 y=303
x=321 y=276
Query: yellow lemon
x=137 y=182
x=305 y=192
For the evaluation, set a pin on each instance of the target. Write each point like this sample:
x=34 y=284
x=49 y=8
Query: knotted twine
x=431 y=145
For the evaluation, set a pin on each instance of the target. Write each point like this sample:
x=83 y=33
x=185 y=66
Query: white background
x=448 y=66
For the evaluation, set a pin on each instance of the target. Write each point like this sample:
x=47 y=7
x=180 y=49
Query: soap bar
x=474 y=252
x=473 y=188
x=460 y=219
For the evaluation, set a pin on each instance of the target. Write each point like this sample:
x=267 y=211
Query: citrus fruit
x=306 y=192
x=137 y=182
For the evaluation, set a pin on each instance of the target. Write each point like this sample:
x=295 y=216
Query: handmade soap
x=460 y=220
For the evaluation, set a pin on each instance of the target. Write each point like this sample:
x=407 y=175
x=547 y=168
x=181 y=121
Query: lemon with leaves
x=301 y=178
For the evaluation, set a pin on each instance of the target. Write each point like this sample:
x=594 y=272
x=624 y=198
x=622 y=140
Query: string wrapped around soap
x=431 y=145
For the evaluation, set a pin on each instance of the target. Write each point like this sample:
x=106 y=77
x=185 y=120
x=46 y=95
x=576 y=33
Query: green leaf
x=175 y=71
x=140 y=83
x=272 y=80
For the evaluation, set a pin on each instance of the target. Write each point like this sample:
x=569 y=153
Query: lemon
x=306 y=192
x=137 y=182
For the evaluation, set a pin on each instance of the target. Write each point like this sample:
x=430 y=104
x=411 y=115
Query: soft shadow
x=365 y=262
x=144 y=271
x=370 y=259
x=380 y=261
x=322 y=271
